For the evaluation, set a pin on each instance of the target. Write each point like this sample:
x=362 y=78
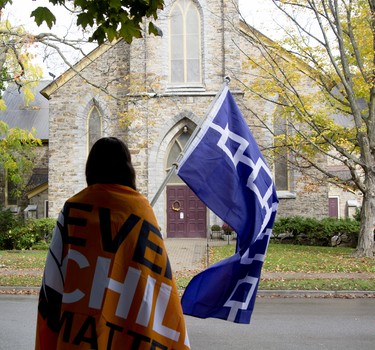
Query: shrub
x=215 y=228
x=44 y=227
x=227 y=229
x=287 y=225
x=31 y=233
x=8 y=221
x=42 y=245
x=309 y=231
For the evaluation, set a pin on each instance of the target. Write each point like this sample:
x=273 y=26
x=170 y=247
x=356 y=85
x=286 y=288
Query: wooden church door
x=186 y=214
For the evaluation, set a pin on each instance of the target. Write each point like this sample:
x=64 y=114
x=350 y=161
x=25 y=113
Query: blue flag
x=226 y=170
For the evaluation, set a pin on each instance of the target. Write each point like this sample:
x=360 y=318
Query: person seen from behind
x=107 y=281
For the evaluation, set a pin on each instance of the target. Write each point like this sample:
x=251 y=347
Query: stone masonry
x=155 y=111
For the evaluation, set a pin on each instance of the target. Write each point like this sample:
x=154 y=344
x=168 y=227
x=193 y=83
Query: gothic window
x=281 y=155
x=176 y=148
x=94 y=126
x=185 y=43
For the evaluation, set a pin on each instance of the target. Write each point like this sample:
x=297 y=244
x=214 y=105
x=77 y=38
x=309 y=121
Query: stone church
x=153 y=93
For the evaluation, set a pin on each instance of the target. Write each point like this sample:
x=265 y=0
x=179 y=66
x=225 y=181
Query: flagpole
x=188 y=143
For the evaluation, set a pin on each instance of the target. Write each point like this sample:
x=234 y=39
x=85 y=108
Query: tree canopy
x=320 y=76
x=16 y=154
x=16 y=60
x=108 y=19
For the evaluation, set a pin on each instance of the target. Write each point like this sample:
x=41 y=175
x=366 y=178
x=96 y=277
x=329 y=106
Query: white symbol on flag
x=238 y=156
x=241 y=305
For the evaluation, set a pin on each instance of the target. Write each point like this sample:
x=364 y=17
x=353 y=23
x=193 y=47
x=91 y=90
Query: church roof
x=77 y=68
x=35 y=115
x=37 y=179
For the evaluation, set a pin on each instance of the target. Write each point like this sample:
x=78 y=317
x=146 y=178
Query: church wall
x=69 y=107
x=163 y=116
x=157 y=110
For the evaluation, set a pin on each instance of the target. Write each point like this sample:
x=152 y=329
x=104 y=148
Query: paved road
x=278 y=324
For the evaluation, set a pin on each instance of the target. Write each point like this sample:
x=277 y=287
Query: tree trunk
x=365 y=247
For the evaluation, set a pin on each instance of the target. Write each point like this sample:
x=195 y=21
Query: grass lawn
x=18 y=261
x=22 y=259
x=308 y=259
x=284 y=258
x=280 y=258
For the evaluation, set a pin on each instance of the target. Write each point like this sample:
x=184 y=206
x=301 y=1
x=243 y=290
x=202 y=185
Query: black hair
x=109 y=162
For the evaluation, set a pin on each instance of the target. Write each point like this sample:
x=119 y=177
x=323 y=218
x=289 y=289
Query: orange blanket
x=107 y=282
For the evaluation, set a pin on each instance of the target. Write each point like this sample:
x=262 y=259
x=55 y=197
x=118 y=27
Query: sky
x=255 y=10
x=19 y=14
x=261 y=15
x=257 y=13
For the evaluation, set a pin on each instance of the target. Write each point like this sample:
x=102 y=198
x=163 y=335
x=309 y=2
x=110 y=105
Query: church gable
x=150 y=93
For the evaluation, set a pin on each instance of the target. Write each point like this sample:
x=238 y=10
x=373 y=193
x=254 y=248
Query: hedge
x=16 y=233
x=318 y=232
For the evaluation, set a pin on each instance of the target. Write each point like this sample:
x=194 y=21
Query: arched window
x=177 y=147
x=185 y=43
x=94 y=126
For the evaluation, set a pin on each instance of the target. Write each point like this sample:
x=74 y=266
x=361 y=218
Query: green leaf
x=55 y=2
x=111 y=33
x=84 y=19
x=81 y=3
x=130 y=30
x=153 y=7
x=116 y=4
x=98 y=35
x=43 y=14
x=153 y=29
x=4 y=2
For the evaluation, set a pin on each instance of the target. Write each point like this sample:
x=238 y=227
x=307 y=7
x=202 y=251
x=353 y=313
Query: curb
x=19 y=290
x=322 y=294
x=343 y=294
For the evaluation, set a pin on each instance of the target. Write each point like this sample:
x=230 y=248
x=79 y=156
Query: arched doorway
x=186 y=213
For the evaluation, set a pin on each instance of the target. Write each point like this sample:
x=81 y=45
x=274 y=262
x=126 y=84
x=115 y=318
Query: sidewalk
x=190 y=256
x=189 y=253
x=185 y=255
